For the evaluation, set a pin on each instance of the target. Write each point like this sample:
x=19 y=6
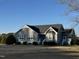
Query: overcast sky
x=14 y=14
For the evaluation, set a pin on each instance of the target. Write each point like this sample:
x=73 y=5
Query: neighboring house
x=43 y=33
x=69 y=36
x=77 y=40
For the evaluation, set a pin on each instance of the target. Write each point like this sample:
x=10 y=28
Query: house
x=43 y=33
x=77 y=40
x=69 y=37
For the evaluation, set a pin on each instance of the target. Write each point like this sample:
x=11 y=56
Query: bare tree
x=73 y=6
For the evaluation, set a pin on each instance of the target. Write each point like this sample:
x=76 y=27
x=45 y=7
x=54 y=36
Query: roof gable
x=50 y=29
x=24 y=29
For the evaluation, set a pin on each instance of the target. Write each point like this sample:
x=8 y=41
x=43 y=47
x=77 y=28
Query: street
x=35 y=52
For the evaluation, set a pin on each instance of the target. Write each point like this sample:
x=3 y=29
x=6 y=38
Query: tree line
x=7 y=38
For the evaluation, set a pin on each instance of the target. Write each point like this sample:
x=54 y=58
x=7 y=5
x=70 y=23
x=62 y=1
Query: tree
x=10 y=39
x=8 y=34
x=73 y=6
x=0 y=39
x=3 y=38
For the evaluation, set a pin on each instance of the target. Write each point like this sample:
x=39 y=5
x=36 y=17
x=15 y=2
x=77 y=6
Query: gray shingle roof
x=43 y=28
x=69 y=32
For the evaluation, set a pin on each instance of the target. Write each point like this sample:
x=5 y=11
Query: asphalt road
x=42 y=55
x=35 y=53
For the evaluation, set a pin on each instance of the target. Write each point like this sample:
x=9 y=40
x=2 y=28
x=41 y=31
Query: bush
x=73 y=42
x=65 y=44
x=10 y=40
x=50 y=43
x=77 y=42
x=18 y=43
x=35 y=43
x=24 y=43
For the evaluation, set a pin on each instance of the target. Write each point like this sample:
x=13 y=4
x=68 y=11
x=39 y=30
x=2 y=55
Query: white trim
x=52 y=30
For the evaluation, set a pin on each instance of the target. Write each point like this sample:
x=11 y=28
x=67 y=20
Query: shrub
x=24 y=43
x=50 y=43
x=77 y=42
x=35 y=43
x=18 y=43
x=65 y=44
x=10 y=40
x=73 y=42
